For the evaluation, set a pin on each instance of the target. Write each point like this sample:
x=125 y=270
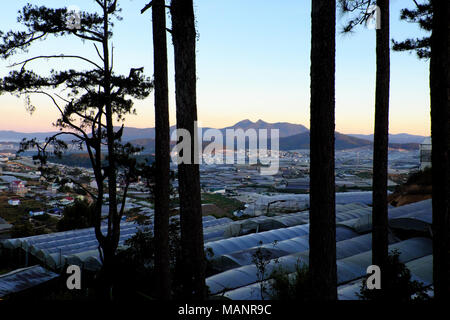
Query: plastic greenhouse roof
x=354 y=197
x=421 y=270
x=349 y=268
x=223 y=246
x=272 y=250
x=221 y=243
x=417 y=215
x=230 y=279
x=53 y=249
x=356 y=265
x=235 y=244
x=22 y=279
x=215 y=222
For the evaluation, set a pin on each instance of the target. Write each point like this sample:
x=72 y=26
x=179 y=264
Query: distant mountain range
x=342 y=142
x=13 y=136
x=394 y=138
x=292 y=136
x=285 y=129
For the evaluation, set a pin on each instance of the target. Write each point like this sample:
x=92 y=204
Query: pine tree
x=440 y=154
x=162 y=147
x=87 y=101
x=322 y=238
x=193 y=256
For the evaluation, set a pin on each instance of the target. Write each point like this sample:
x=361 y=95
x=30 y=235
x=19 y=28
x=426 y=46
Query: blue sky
x=253 y=62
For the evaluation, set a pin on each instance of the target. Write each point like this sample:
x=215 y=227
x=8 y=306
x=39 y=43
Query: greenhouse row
x=234 y=258
x=283 y=240
x=348 y=269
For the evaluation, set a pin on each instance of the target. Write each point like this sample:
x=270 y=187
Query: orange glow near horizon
x=16 y=118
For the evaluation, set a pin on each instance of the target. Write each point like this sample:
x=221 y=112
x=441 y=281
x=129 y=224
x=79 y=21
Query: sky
x=253 y=62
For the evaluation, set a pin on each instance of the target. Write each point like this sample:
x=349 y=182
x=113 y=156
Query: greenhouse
x=23 y=279
x=52 y=250
x=232 y=279
x=251 y=240
x=421 y=270
x=223 y=240
x=251 y=225
x=415 y=216
x=271 y=250
x=350 y=268
x=282 y=239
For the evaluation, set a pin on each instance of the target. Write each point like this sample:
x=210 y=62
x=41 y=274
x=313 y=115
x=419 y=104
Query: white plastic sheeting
x=25 y=278
x=277 y=203
x=349 y=268
x=222 y=246
x=272 y=250
x=417 y=216
x=54 y=249
x=263 y=223
x=354 y=197
x=236 y=244
x=421 y=270
x=80 y=246
x=232 y=279
x=215 y=222
x=355 y=266
x=257 y=224
x=297 y=202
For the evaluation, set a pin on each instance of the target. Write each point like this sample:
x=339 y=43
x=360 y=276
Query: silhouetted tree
x=162 y=147
x=193 y=257
x=422 y=14
x=322 y=239
x=87 y=102
x=440 y=156
x=380 y=146
x=433 y=16
x=364 y=9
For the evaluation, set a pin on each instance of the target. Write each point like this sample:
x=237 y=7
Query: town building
x=18 y=187
x=425 y=154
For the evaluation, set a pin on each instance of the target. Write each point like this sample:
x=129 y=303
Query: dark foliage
x=137 y=277
x=77 y=216
x=397 y=286
x=422 y=177
x=422 y=15
x=88 y=102
x=295 y=286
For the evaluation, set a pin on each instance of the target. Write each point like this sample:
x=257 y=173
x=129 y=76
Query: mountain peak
x=244 y=122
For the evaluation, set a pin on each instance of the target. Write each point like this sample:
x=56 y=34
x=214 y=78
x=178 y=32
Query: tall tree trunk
x=440 y=134
x=322 y=238
x=162 y=149
x=193 y=256
x=112 y=239
x=380 y=146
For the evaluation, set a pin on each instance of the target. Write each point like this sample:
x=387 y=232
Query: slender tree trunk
x=111 y=240
x=162 y=152
x=193 y=259
x=440 y=134
x=380 y=146
x=322 y=238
